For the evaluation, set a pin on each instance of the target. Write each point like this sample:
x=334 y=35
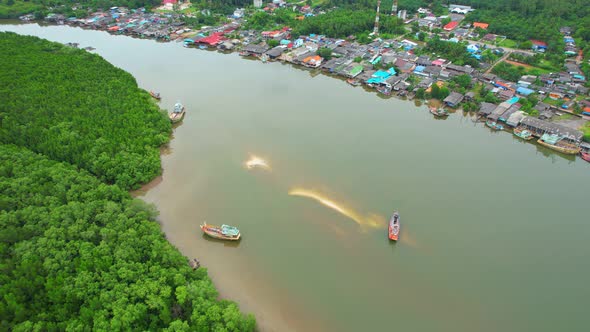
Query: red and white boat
x=585 y=156
x=394 y=226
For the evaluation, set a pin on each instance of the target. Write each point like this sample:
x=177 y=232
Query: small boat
x=177 y=114
x=585 y=156
x=394 y=226
x=385 y=90
x=494 y=125
x=523 y=133
x=439 y=112
x=225 y=232
x=155 y=95
x=264 y=58
x=353 y=82
x=557 y=143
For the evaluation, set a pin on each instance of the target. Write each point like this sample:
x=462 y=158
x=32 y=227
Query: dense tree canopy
x=74 y=106
x=77 y=254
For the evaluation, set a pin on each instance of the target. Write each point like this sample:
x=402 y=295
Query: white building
x=257 y=3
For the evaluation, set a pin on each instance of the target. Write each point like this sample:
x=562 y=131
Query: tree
x=420 y=93
x=325 y=53
x=463 y=81
x=272 y=43
x=421 y=36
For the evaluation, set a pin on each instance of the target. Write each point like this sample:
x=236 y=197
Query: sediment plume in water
x=370 y=221
x=257 y=162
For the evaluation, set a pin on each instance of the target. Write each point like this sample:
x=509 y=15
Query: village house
x=453 y=100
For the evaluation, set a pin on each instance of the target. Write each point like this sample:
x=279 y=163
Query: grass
x=509 y=43
x=586 y=130
x=552 y=102
x=565 y=116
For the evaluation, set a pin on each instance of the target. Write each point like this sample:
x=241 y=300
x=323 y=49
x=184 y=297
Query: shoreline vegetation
x=77 y=250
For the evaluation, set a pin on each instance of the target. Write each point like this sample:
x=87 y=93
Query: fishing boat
x=177 y=114
x=523 y=133
x=353 y=82
x=155 y=95
x=557 y=143
x=494 y=125
x=585 y=156
x=439 y=112
x=225 y=232
x=385 y=90
x=264 y=58
x=394 y=226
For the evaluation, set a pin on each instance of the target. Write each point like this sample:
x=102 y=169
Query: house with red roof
x=212 y=40
x=450 y=26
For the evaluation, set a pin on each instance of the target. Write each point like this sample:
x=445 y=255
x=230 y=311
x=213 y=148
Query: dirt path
x=503 y=58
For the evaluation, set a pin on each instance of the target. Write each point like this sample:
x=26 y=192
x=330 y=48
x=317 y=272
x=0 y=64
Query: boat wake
x=370 y=221
x=256 y=162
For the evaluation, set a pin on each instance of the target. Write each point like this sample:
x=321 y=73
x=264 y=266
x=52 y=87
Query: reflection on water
x=372 y=220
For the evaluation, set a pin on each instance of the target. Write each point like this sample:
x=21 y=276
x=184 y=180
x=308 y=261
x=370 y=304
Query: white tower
x=394 y=8
x=257 y=3
x=376 y=28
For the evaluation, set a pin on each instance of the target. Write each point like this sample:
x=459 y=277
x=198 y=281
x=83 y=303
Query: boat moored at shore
x=394 y=224
x=155 y=95
x=177 y=114
x=525 y=134
x=585 y=156
x=225 y=232
x=438 y=112
x=557 y=143
x=494 y=125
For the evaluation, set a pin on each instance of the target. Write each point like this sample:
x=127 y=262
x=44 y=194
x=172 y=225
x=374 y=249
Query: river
x=494 y=235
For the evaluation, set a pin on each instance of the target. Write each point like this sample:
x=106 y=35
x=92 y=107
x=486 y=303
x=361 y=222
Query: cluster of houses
x=134 y=22
x=389 y=66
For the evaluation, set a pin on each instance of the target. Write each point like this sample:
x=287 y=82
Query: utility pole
x=376 y=28
x=394 y=8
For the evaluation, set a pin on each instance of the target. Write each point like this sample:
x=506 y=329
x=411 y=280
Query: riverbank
x=386 y=66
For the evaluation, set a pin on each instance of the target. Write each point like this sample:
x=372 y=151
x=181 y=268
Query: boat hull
x=585 y=156
x=216 y=234
x=494 y=126
x=562 y=149
x=438 y=113
x=176 y=117
x=155 y=95
x=522 y=134
x=394 y=227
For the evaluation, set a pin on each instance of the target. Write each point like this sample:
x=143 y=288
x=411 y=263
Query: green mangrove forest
x=77 y=252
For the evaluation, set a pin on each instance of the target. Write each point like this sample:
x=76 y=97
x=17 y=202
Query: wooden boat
x=155 y=95
x=385 y=90
x=439 y=112
x=225 y=232
x=353 y=82
x=557 y=143
x=494 y=125
x=177 y=114
x=523 y=133
x=585 y=156
x=394 y=224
